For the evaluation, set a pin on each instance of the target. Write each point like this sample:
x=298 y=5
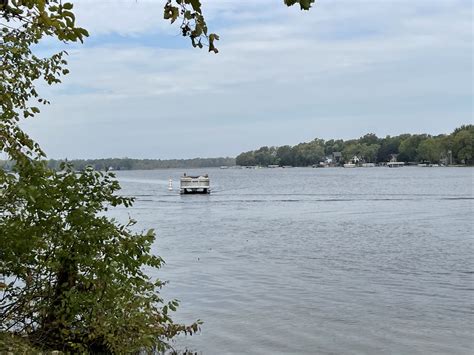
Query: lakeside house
x=334 y=159
x=394 y=163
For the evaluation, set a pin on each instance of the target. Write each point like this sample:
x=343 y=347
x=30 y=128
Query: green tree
x=430 y=150
x=388 y=146
x=351 y=148
x=408 y=149
x=306 y=154
x=83 y=285
x=332 y=146
x=369 y=152
x=463 y=145
x=28 y=23
x=265 y=156
x=369 y=138
x=246 y=159
x=285 y=155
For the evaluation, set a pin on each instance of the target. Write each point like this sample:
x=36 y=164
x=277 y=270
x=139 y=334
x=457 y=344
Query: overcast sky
x=138 y=89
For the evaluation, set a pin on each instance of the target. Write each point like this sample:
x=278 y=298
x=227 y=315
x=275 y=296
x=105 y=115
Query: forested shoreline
x=456 y=148
x=448 y=149
x=135 y=164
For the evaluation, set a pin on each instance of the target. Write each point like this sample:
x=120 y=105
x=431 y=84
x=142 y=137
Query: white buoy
x=170 y=185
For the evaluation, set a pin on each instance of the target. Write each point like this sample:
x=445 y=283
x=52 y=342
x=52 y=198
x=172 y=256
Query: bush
x=77 y=278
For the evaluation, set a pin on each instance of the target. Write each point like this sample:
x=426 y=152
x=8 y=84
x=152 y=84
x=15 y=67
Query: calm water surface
x=317 y=261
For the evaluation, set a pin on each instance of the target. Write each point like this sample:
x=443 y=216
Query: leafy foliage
x=10 y=343
x=27 y=22
x=429 y=150
x=463 y=144
x=79 y=281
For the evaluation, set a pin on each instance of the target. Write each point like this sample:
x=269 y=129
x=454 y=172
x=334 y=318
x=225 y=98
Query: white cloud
x=126 y=17
x=282 y=76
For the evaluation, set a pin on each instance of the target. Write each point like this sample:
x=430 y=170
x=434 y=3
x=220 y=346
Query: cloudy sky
x=138 y=89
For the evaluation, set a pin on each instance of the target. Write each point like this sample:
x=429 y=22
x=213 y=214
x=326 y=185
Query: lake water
x=317 y=261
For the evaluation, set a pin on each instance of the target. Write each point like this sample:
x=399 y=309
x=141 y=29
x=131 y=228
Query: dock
x=395 y=164
x=195 y=184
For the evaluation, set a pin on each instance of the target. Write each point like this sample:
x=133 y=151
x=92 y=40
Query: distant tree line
x=135 y=164
x=454 y=148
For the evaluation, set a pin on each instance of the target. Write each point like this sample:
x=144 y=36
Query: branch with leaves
x=25 y=23
x=193 y=23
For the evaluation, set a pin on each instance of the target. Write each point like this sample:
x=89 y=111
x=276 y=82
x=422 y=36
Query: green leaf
x=304 y=4
x=196 y=4
x=212 y=38
x=171 y=13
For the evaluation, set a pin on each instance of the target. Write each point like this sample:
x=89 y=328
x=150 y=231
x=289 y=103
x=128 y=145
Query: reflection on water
x=317 y=260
